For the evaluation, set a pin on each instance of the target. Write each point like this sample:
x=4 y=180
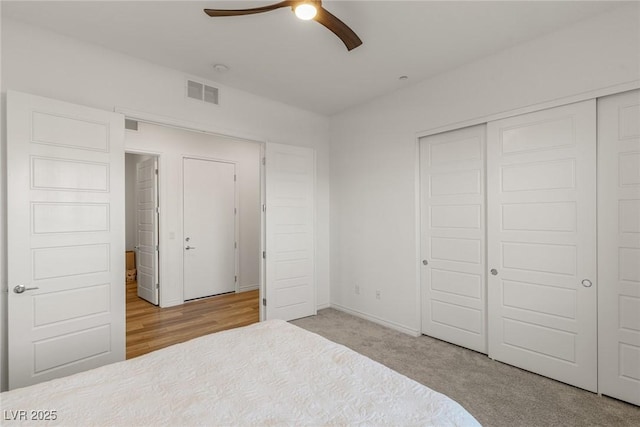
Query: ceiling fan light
x=305 y=11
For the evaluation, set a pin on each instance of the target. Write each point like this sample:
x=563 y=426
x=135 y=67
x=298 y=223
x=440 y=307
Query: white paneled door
x=65 y=167
x=541 y=180
x=209 y=228
x=619 y=246
x=147 y=229
x=290 y=232
x=453 y=237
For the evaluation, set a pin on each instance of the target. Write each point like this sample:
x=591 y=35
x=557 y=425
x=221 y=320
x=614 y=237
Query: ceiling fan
x=306 y=10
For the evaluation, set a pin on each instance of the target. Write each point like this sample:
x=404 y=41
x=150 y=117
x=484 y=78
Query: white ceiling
x=300 y=63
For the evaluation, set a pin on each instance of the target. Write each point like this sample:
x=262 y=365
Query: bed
x=270 y=373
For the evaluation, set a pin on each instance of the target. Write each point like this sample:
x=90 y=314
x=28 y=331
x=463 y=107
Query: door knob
x=425 y=262
x=18 y=289
x=494 y=271
x=587 y=283
x=189 y=248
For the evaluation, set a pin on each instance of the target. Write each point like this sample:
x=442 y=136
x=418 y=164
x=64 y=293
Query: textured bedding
x=270 y=373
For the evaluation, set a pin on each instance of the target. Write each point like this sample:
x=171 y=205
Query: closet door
x=453 y=237
x=619 y=246
x=541 y=186
x=65 y=199
x=290 y=279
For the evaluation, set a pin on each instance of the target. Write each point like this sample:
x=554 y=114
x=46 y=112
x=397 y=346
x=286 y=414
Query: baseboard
x=323 y=306
x=246 y=288
x=378 y=320
x=165 y=304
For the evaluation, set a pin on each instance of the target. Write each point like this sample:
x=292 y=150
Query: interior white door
x=619 y=246
x=66 y=242
x=209 y=228
x=290 y=232
x=147 y=229
x=453 y=237
x=541 y=186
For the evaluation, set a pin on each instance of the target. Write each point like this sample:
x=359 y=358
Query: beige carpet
x=495 y=393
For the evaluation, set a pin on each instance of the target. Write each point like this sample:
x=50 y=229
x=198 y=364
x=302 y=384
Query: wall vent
x=130 y=124
x=202 y=92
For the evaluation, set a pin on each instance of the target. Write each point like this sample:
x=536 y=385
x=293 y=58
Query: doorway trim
x=171 y=122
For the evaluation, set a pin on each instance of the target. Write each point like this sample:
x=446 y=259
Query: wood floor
x=150 y=327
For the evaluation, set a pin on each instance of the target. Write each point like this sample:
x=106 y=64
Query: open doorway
x=141 y=225
x=230 y=277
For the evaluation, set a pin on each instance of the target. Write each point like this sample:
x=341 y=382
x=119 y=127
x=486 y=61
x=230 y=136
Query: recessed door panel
x=60 y=306
x=544 y=135
x=455 y=183
x=71 y=348
x=456 y=216
x=69 y=217
x=548 y=216
x=56 y=129
x=69 y=175
x=454 y=282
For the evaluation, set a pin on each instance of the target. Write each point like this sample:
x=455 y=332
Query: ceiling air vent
x=202 y=92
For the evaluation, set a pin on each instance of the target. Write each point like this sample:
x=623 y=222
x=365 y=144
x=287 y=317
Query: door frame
x=236 y=207
x=161 y=253
x=170 y=122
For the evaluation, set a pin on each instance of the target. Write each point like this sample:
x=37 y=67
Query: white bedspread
x=271 y=373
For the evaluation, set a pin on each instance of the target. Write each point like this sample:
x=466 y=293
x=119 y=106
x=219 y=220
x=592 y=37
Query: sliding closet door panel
x=65 y=198
x=290 y=232
x=453 y=237
x=541 y=180
x=619 y=246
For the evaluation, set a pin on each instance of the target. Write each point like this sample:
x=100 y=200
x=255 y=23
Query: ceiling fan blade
x=339 y=28
x=238 y=12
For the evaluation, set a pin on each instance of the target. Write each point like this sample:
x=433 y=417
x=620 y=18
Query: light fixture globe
x=305 y=11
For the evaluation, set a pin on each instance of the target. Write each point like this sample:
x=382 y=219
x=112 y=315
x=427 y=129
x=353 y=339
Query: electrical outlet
x=378 y=294
x=357 y=289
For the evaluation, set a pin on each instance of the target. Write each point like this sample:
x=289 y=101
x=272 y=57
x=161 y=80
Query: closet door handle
x=494 y=271
x=18 y=289
x=587 y=283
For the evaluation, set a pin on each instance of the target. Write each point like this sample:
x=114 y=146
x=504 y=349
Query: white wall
x=171 y=145
x=374 y=150
x=47 y=64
